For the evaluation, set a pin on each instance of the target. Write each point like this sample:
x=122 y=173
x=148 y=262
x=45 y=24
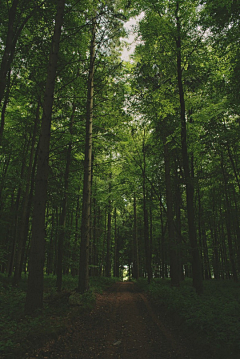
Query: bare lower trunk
x=24 y=213
x=83 y=284
x=148 y=254
x=34 y=299
x=109 y=230
x=135 y=243
x=174 y=264
x=228 y=226
x=64 y=209
x=196 y=264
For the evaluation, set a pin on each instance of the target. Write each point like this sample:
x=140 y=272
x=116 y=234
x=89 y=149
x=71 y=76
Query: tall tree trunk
x=9 y=49
x=233 y=165
x=50 y=250
x=225 y=259
x=74 y=269
x=174 y=264
x=64 y=207
x=83 y=284
x=162 y=243
x=215 y=241
x=13 y=35
x=228 y=226
x=109 y=230
x=135 y=242
x=34 y=298
x=108 y=258
x=178 y=227
x=116 y=246
x=148 y=254
x=24 y=213
x=2 y=183
x=202 y=238
x=16 y=212
x=196 y=264
x=4 y=106
x=237 y=229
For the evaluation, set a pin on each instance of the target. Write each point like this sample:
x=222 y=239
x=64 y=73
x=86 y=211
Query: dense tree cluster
x=106 y=163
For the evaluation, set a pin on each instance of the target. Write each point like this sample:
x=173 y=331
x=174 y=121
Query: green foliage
x=210 y=319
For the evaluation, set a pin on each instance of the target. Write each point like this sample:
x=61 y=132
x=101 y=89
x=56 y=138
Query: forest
x=119 y=167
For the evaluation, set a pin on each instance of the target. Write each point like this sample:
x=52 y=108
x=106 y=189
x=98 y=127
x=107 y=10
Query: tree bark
x=11 y=42
x=108 y=259
x=16 y=212
x=83 y=284
x=109 y=230
x=228 y=226
x=9 y=49
x=196 y=264
x=6 y=99
x=135 y=242
x=34 y=298
x=64 y=208
x=174 y=263
x=24 y=213
x=178 y=226
x=148 y=253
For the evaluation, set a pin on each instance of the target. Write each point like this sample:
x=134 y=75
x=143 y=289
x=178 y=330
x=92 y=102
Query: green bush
x=212 y=318
x=20 y=334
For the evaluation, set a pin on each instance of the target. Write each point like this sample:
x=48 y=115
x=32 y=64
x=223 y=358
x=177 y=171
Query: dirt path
x=122 y=325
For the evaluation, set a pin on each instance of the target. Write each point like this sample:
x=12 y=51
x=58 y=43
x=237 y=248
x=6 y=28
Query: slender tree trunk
x=196 y=264
x=148 y=254
x=16 y=212
x=116 y=246
x=9 y=49
x=135 y=242
x=24 y=213
x=51 y=246
x=109 y=233
x=74 y=269
x=108 y=259
x=2 y=184
x=228 y=226
x=64 y=208
x=83 y=284
x=237 y=229
x=215 y=241
x=4 y=106
x=34 y=298
x=178 y=227
x=174 y=264
x=225 y=260
x=117 y=239
x=233 y=165
x=13 y=34
x=162 y=243
x=24 y=255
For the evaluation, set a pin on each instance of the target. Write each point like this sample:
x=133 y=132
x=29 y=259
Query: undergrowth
x=212 y=318
x=20 y=334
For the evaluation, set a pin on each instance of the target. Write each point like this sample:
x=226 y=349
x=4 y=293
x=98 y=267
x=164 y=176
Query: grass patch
x=212 y=319
x=21 y=334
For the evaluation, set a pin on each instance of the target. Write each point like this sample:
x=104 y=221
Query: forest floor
x=123 y=324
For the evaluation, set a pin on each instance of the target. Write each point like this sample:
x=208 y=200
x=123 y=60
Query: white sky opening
x=131 y=39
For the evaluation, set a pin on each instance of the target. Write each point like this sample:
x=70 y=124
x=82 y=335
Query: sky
x=131 y=38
